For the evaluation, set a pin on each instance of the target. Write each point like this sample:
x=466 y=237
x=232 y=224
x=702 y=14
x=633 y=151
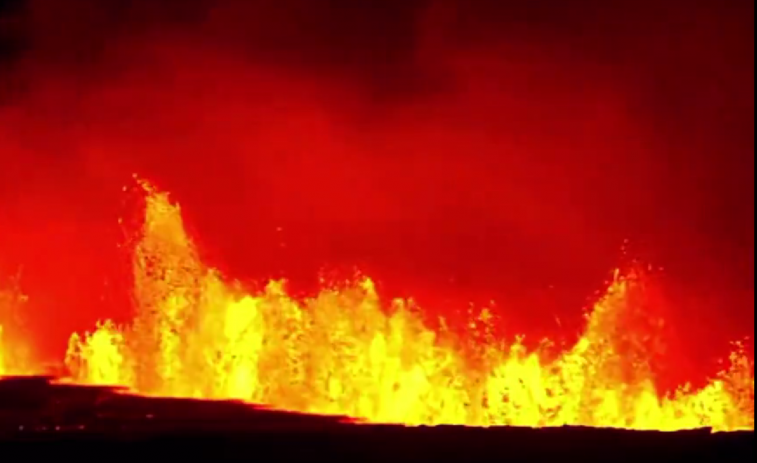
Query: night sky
x=457 y=150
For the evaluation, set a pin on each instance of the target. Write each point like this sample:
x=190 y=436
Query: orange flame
x=14 y=351
x=342 y=352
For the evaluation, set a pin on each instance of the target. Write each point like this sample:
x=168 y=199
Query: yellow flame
x=344 y=352
x=14 y=352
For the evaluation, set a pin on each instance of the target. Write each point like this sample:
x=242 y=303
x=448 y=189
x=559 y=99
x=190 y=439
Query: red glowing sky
x=464 y=151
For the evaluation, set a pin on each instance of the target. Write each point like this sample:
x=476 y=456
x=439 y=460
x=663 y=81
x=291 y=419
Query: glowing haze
x=345 y=351
x=454 y=151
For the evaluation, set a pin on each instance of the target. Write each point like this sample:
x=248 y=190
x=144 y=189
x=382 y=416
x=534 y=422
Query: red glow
x=514 y=175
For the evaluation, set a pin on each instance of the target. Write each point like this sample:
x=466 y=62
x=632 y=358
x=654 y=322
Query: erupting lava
x=342 y=352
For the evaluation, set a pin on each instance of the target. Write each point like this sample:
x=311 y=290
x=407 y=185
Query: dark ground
x=39 y=419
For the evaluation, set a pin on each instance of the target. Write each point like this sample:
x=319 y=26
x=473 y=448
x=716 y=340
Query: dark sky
x=458 y=150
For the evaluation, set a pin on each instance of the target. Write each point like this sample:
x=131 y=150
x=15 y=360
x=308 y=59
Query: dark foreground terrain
x=40 y=419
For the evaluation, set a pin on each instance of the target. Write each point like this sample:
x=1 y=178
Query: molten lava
x=342 y=351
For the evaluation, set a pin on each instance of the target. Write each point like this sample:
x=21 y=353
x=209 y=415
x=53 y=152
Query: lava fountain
x=345 y=351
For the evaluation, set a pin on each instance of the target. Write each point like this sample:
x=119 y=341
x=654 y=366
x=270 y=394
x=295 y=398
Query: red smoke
x=458 y=153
